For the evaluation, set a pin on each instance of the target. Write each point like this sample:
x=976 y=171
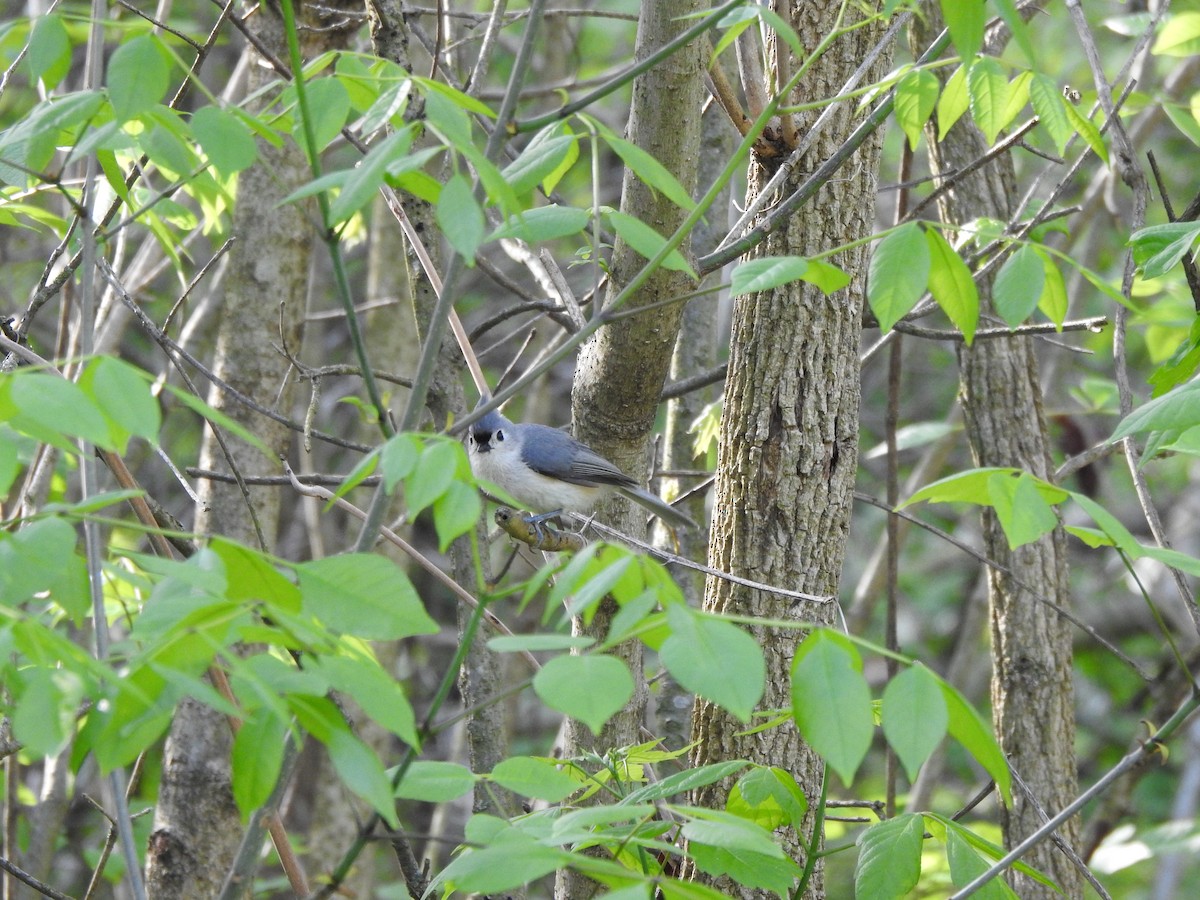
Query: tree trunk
x=1033 y=707
x=788 y=451
x=621 y=370
x=197 y=828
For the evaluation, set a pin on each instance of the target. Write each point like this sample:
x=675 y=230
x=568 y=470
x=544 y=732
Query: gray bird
x=548 y=471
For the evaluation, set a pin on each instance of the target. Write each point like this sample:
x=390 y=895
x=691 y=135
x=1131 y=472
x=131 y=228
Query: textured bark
x=789 y=436
x=695 y=351
x=196 y=827
x=621 y=370
x=1033 y=707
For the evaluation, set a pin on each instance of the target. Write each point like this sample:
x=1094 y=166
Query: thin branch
x=1004 y=570
x=40 y=886
x=1095 y=324
x=1131 y=761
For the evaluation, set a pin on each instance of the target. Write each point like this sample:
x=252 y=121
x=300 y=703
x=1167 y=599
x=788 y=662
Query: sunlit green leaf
x=1018 y=286
x=365 y=595
x=590 y=689
x=225 y=139
x=889 y=857
x=646 y=241
x=988 y=91
x=460 y=217
x=965 y=19
x=137 y=76
x=899 y=273
x=951 y=284
x=916 y=97
x=1179 y=35
x=435 y=782
x=535 y=778
x=714 y=659
x=953 y=102
x=914 y=717
x=832 y=703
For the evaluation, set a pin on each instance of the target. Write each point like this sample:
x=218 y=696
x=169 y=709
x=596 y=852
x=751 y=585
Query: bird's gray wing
x=556 y=454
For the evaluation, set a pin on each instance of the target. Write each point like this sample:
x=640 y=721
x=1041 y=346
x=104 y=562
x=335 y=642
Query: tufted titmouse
x=549 y=471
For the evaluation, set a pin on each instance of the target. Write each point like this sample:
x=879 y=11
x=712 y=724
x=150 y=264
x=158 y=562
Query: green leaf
x=889 y=858
x=916 y=97
x=1053 y=302
x=968 y=728
x=953 y=102
x=1024 y=515
x=715 y=659
x=518 y=642
x=1175 y=411
x=768 y=796
x=460 y=217
x=831 y=701
x=122 y=394
x=898 y=275
x=914 y=717
x=360 y=770
x=1018 y=96
x=595 y=584
x=653 y=173
x=972 y=486
x=53 y=410
x=257 y=759
x=590 y=689
x=746 y=868
x=646 y=241
x=965 y=19
x=456 y=512
x=1179 y=35
x=966 y=865
x=137 y=77
x=687 y=780
x=398 y=457
x=1159 y=248
x=252 y=577
x=535 y=778
x=544 y=155
x=432 y=476
x=764 y=274
x=828 y=278
x=1018 y=286
x=1183 y=118
x=329 y=106
x=435 y=782
x=365 y=595
x=45 y=715
x=1088 y=131
x=988 y=90
x=731 y=833
x=512 y=860
x=1049 y=104
x=951 y=284
x=361 y=184
x=41 y=557
x=376 y=691
x=391 y=102
x=546 y=223
x=49 y=54
x=225 y=139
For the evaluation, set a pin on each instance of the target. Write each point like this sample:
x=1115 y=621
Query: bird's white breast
x=539 y=493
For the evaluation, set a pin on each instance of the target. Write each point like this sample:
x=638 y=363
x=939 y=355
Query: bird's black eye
x=499 y=436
